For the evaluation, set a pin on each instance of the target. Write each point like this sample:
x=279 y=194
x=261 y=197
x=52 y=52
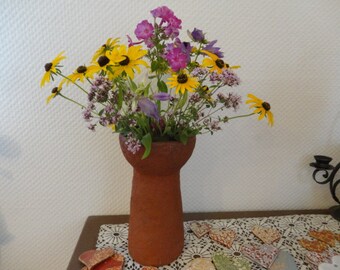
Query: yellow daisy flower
x=106 y=64
x=131 y=59
x=55 y=91
x=182 y=82
x=81 y=73
x=261 y=107
x=108 y=46
x=51 y=68
x=215 y=63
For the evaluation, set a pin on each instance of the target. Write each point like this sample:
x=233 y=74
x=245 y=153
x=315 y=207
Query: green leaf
x=154 y=66
x=183 y=137
x=146 y=90
x=146 y=141
x=183 y=100
x=133 y=85
x=162 y=86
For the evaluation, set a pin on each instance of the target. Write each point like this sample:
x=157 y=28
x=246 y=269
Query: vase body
x=156 y=234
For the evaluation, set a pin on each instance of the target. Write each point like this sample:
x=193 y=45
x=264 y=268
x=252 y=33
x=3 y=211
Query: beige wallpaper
x=54 y=172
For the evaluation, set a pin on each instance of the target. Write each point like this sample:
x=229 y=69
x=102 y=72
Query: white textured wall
x=54 y=172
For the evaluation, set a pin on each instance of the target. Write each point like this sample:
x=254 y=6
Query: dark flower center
x=48 y=66
x=54 y=90
x=266 y=106
x=81 y=69
x=103 y=60
x=125 y=62
x=220 y=63
x=182 y=78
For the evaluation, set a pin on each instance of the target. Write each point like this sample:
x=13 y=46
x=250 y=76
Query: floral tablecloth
x=291 y=227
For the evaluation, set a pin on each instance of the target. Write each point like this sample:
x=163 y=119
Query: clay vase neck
x=156 y=234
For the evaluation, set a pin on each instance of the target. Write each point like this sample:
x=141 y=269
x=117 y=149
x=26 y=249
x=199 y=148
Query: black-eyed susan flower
x=55 y=91
x=108 y=46
x=127 y=60
x=261 y=107
x=215 y=63
x=182 y=82
x=51 y=69
x=107 y=64
x=81 y=73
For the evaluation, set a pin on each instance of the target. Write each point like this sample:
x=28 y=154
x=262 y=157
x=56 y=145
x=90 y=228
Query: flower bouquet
x=181 y=91
x=184 y=91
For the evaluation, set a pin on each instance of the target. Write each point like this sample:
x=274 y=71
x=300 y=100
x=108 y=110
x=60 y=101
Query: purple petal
x=197 y=35
x=144 y=30
x=215 y=50
x=149 y=108
x=162 y=96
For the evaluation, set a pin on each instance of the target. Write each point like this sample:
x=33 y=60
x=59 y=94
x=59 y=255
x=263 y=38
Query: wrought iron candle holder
x=321 y=164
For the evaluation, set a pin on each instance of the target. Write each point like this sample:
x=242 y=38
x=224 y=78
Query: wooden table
x=88 y=236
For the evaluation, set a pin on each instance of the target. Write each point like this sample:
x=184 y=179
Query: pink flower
x=176 y=58
x=171 y=29
x=144 y=30
x=162 y=12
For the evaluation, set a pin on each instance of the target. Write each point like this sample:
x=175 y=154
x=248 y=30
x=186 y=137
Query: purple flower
x=215 y=50
x=229 y=78
x=162 y=12
x=171 y=29
x=231 y=100
x=197 y=35
x=92 y=127
x=215 y=77
x=178 y=54
x=199 y=72
x=133 y=145
x=149 y=108
x=87 y=115
x=176 y=59
x=144 y=30
x=162 y=96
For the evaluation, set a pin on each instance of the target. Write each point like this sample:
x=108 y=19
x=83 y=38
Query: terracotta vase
x=156 y=234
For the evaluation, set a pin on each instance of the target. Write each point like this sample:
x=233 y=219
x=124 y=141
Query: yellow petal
x=262 y=114
x=259 y=110
x=129 y=72
x=50 y=97
x=251 y=96
x=211 y=55
x=112 y=126
x=45 y=79
x=207 y=62
x=270 y=118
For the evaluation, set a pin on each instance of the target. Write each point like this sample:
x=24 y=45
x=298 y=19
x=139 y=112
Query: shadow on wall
x=8 y=150
x=5 y=235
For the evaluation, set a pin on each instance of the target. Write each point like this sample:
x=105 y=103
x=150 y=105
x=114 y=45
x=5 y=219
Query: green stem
x=81 y=88
x=70 y=99
x=75 y=102
x=239 y=116
x=210 y=113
